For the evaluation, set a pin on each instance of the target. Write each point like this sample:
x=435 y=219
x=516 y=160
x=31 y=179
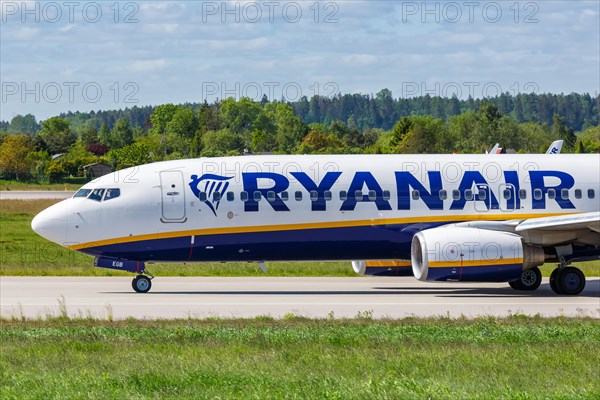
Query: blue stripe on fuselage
x=345 y=243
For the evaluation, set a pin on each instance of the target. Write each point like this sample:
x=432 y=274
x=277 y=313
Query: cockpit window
x=96 y=194
x=112 y=193
x=82 y=193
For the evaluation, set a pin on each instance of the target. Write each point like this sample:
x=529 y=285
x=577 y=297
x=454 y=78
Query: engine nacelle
x=383 y=267
x=451 y=253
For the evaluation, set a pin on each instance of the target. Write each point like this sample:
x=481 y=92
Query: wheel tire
x=141 y=284
x=571 y=281
x=554 y=281
x=517 y=285
x=530 y=279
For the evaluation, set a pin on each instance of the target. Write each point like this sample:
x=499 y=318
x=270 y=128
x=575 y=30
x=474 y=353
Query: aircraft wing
x=581 y=229
x=573 y=222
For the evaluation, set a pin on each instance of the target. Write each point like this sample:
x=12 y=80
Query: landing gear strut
x=142 y=283
x=530 y=279
x=567 y=280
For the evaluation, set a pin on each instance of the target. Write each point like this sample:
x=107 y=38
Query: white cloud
x=361 y=59
x=149 y=65
x=25 y=33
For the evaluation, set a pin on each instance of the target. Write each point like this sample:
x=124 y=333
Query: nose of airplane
x=51 y=223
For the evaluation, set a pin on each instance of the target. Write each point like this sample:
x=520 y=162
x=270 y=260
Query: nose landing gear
x=142 y=283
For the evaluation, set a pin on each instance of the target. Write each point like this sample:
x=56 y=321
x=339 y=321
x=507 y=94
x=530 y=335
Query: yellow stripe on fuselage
x=474 y=263
x=309 y=225
x=388 y=263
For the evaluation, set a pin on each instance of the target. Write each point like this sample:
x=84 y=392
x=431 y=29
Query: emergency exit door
x=173 y=197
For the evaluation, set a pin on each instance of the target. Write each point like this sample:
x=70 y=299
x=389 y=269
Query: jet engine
x=451 y=253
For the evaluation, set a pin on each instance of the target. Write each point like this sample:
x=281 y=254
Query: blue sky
x=61 y=56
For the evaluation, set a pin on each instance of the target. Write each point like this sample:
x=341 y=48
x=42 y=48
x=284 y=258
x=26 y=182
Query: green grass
x=518 y=357
x=19 y=185
x=24 y=253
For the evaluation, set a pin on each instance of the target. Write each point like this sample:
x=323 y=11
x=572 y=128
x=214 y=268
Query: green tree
x=562 y=131
x=400 y=129
x=104 y=135
x=121 y=134
x=160 y=117
x=89 y=134
x=14 y=160
x=23 y=124
x=57 y=135
x=425 y=135
x=222 y=142
x=183 y=124
x=590 y=139
x=239 y=116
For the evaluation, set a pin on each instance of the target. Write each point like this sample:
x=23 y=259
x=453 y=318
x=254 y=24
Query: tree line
x=30 y=150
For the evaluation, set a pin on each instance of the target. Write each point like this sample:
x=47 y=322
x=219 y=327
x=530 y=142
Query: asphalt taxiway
x=175 y=297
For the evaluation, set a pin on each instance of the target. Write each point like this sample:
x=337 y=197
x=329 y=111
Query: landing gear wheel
x=554 y=282
x=141 y=284
x=570 y=281
x=530 y=280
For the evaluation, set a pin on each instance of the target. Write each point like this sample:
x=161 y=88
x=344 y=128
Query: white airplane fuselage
x=311 y=207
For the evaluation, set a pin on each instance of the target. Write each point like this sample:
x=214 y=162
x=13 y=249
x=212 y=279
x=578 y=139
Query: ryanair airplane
x=464 y=218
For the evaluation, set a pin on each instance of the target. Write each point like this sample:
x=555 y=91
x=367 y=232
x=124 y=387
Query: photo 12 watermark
x=69 y=92
x=69 y=12
x=463 y=90
x=252 y=12
x=288 y=91
x=452 y=12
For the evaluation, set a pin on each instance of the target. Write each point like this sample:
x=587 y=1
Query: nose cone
x=51 y=223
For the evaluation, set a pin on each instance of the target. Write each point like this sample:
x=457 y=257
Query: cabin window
x=82 y=193
x=386 y=195
x=537 y=194
x=314 y=195
x=244 y=196
x=216 y=196
x=328 y=195
x=468 y=194
x=564 y=194
x=522 y=194
x=285 y=196
x=298 y=195
x=372 y=195
x=591 y=194
x=578 y=193
x=551 y=194
x=456 y=195
x=482 y=194
x=202 y=196
x=415 y=195
x=443 y=195
x=343 y=195
x=230 y=196
x=271 y=196
x=358 y=195
x=112 y=193
x=507 y=194
x=256 y=196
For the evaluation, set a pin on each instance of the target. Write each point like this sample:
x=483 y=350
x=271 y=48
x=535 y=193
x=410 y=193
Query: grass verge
x=24 y=253
x=517 y=357
x=19 y=185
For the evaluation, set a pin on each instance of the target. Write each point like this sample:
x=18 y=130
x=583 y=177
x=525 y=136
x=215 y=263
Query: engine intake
x=451 y=253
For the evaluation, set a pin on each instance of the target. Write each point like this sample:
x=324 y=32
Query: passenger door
x=173 y=197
